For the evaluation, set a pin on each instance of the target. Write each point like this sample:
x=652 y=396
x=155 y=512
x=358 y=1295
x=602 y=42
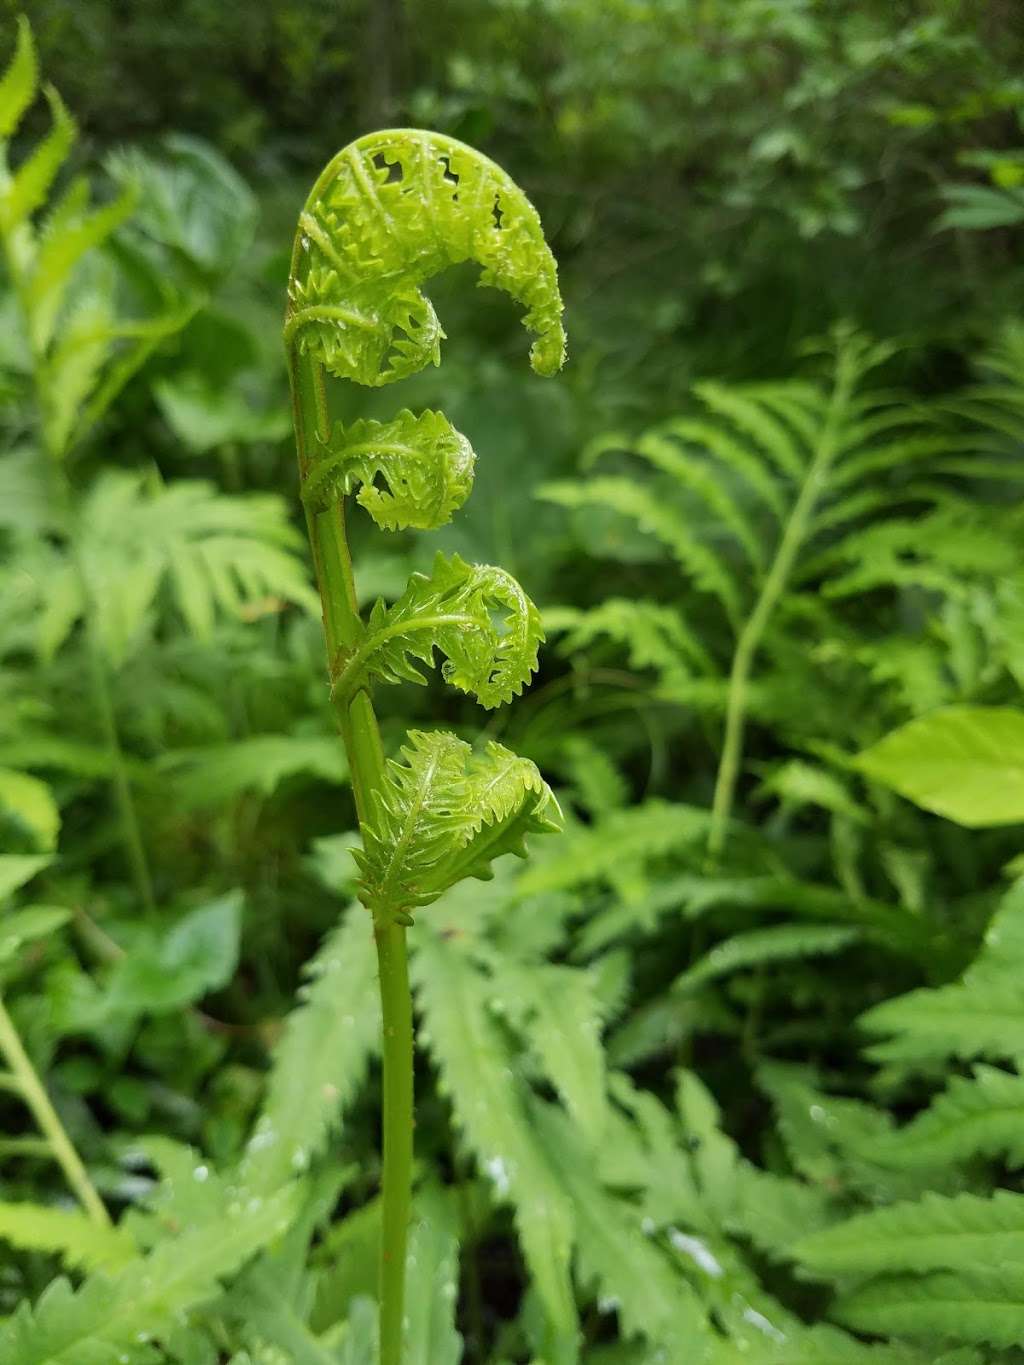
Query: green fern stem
x=103 y=700
x=772 y=589
x=397 y=1053
x=25 y=1080
x=361 y=735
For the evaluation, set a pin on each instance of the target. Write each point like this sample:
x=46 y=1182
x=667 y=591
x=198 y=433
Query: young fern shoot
x=388 y=213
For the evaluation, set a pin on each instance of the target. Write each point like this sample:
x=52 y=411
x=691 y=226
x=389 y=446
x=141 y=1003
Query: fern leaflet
x=320 y=1060
x=478 y=617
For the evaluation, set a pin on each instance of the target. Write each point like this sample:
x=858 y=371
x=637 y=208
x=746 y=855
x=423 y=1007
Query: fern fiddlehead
x=388 y=213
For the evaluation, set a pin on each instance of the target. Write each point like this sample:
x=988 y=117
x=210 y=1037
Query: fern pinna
x=389 y=212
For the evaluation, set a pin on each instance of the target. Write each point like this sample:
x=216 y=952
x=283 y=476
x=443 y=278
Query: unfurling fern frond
x=476 y=615
x=388 y=213
x=426 y=464
x=445 y=814
x=419 y=816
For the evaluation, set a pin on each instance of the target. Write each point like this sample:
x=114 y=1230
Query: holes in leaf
x=393 y=168
x=497 y=213
x=498 y=618
x=449 y=176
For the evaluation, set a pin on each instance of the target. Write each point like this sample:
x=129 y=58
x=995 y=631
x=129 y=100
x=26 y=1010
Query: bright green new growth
x=388 y=213
x=444 y=815
x=453 y=610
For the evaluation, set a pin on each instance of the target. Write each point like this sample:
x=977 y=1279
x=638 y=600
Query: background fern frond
x=143 y=549
x=78 y=1240
x=109 y=1317
x=974 y=1116
x=779 y=942
x=982 y=1014
x=320 y=1060
x=492 y=1113
x=983 y=1307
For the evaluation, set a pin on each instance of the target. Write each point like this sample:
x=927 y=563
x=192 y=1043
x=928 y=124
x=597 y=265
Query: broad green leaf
x=963 y=762
x=24 y=926
x=29 y=802
x=18 y=868
x=197 y=956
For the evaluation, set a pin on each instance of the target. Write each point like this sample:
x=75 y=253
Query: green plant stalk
x=103 y=700
x=29 y=1086
x=361 y=735
x=772 y=589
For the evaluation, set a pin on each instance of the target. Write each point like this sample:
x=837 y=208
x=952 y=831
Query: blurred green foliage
x=648 y=1128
